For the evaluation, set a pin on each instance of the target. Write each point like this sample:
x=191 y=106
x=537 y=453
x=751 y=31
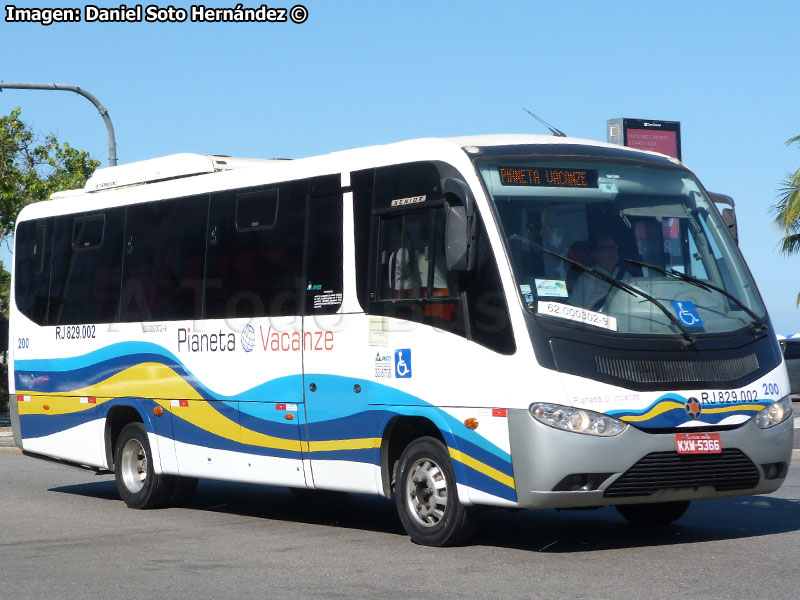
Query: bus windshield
x=627 y=248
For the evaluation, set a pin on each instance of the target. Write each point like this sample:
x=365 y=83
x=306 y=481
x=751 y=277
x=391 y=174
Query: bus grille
x=670 y=371
x=729 y=470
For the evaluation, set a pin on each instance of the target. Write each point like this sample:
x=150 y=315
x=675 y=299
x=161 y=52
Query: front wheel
x=138 y=484
x=427 y=500
x=653 y=515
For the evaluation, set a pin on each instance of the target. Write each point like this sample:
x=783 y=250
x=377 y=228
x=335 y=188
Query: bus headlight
x=577 y=420
x=775 y=414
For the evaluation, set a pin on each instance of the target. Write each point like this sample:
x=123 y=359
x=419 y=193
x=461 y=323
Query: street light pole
x=112 y=144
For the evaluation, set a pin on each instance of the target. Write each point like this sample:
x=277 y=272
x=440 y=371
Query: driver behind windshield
x=590 y=291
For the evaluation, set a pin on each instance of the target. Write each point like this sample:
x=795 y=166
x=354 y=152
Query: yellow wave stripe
x=353 y=444
x=667 y=406
x=482 y=468
x=653 y=412
x=203 y=415
x=162 y=384
x=145 y=380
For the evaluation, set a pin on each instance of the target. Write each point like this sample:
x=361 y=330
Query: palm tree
x=787 y=211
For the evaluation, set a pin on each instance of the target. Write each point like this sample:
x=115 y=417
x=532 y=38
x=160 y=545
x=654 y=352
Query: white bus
x=496 y=321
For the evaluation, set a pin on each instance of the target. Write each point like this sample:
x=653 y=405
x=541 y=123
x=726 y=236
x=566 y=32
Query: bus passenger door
x=248 y=430
x=338 y=431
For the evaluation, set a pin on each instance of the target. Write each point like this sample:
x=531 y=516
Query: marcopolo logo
x=693 y=408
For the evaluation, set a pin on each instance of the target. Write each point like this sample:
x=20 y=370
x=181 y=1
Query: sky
x=359 y=73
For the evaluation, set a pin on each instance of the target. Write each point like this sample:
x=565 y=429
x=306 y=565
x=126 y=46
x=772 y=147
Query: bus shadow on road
x=548 y=531
x=335 y=509
x=605 y=529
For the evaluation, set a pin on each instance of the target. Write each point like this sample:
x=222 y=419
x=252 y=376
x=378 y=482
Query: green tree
x=787 y=211
x=30 y=170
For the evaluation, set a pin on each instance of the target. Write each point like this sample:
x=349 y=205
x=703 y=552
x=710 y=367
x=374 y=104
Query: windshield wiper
x=633 y=291
x=758 y=324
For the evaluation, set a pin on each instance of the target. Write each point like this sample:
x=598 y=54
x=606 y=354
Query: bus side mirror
x=728 y=214
x=456 y=239
x=460 y=227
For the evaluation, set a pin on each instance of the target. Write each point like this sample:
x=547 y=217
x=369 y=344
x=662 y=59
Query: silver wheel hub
x=426 y=490
x=133 y=465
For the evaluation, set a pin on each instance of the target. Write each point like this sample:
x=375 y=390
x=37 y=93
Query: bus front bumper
x=561 y=469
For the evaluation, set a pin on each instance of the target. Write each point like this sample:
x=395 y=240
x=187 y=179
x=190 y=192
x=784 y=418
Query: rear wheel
x=138 y=484
x=426 y=496
x=653 y=515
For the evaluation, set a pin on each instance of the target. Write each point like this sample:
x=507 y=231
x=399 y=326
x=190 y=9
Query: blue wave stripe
x=367 y=424
x=75 y=363
x=366 y=455
x=365 y=418
x=478 y=453
x=677 y=416
x=35 y=426
x=484 y=483
x=187 y=433
x=279 y=427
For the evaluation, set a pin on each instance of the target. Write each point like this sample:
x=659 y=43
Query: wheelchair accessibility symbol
x=687 y=313
x=402 y=363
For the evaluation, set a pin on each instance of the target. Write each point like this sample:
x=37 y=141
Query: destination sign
x=548 y=177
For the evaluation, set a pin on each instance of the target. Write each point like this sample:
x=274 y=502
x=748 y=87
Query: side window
x=413 y=263
x=87 y=259
x=32 y=268
x=164 y=248
x=324 y=279
x=489 y=320
x=411 y=280
x=255 y=249
x=363 y=185
x=791 y=350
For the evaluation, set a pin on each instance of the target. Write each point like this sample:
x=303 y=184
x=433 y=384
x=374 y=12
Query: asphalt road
x=65 y=534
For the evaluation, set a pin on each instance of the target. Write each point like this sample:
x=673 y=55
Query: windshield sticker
x=552 y=287
x=581 y=315
x=687 y=313
x=608 y=187
x=525 y=288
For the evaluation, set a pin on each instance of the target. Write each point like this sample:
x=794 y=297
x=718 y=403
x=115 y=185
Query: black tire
x=653 y=515
x=181 y=490
x=137 y=482
x=427 y=499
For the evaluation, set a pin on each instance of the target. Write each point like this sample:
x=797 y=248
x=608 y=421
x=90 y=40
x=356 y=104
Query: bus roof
x=183 y=165
x=164 y=168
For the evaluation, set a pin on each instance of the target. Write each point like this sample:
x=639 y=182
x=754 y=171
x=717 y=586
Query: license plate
x=698 y=443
